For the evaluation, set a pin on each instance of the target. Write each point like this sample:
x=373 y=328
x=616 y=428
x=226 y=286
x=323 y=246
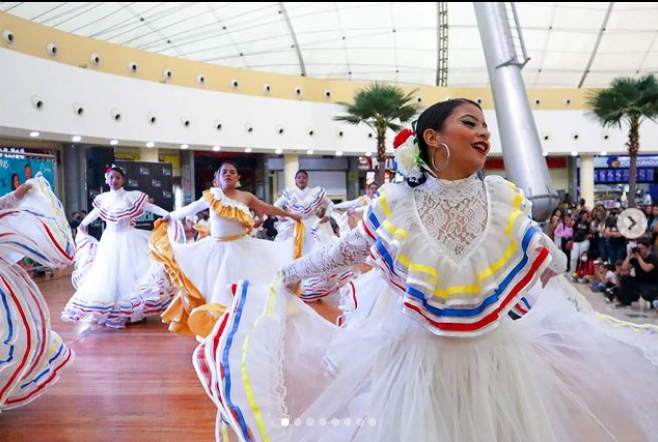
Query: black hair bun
x=416 y=181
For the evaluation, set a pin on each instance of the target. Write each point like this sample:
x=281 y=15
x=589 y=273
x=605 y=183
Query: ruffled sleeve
x=36 y=227
x=465 y=298
x=133 y=207
x=558 y=258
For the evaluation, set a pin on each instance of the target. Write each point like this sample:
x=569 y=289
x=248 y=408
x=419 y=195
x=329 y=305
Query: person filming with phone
x=643 y=280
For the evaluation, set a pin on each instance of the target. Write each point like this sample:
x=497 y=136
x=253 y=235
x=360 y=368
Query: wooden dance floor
x=131 y=385
x=138 y=384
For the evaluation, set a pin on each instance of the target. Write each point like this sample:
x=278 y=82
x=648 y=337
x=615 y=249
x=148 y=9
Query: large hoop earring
x=436 y=169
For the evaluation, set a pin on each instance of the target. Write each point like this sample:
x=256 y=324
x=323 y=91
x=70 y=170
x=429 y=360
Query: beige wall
x=33 y=39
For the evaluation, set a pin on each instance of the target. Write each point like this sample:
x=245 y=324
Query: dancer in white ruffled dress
x=105 y=290
x=33 y=225
x=438 y=358
x=307 y=202
x=354 y=208
x=205 y=269
x=315 y=208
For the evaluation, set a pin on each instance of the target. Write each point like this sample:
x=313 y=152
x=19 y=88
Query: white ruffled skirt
x=31 y=354
x=277 y=371
x=212 y=266
x=109 y=291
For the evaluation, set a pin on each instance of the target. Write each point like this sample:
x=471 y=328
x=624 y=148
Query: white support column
x=587 y=179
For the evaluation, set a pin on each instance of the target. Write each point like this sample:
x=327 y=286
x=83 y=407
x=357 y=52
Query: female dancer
x=105 y=290
x=205 y=269
x=313 y=206
x=32 y=224
x=440 y=359
x=354 y=207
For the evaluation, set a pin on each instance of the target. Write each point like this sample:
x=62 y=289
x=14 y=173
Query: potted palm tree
x=381 y=107
x=627 y=101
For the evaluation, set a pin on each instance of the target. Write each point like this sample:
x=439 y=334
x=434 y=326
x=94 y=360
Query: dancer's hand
x=82 y=228
x=295 y=216
x=324 y=219
x=22 y=190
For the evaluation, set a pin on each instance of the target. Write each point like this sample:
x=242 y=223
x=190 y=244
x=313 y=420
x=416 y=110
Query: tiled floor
x=639 y=312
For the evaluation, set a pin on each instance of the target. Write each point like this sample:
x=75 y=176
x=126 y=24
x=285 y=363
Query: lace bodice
x=453 y=213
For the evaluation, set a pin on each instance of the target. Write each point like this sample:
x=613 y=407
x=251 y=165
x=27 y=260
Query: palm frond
x=378 y=105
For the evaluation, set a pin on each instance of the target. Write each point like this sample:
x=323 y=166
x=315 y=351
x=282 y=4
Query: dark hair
x=645 y=242
x=227 y=162
x=434 y=117
x=301 y=171
x=334 y=226
x=27 y=165
x=12 y=181
x=118 y=170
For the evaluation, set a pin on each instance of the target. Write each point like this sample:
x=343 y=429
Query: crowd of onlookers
x=599 y=255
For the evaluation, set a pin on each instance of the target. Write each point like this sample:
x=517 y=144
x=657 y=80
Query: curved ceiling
x=570 y=45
